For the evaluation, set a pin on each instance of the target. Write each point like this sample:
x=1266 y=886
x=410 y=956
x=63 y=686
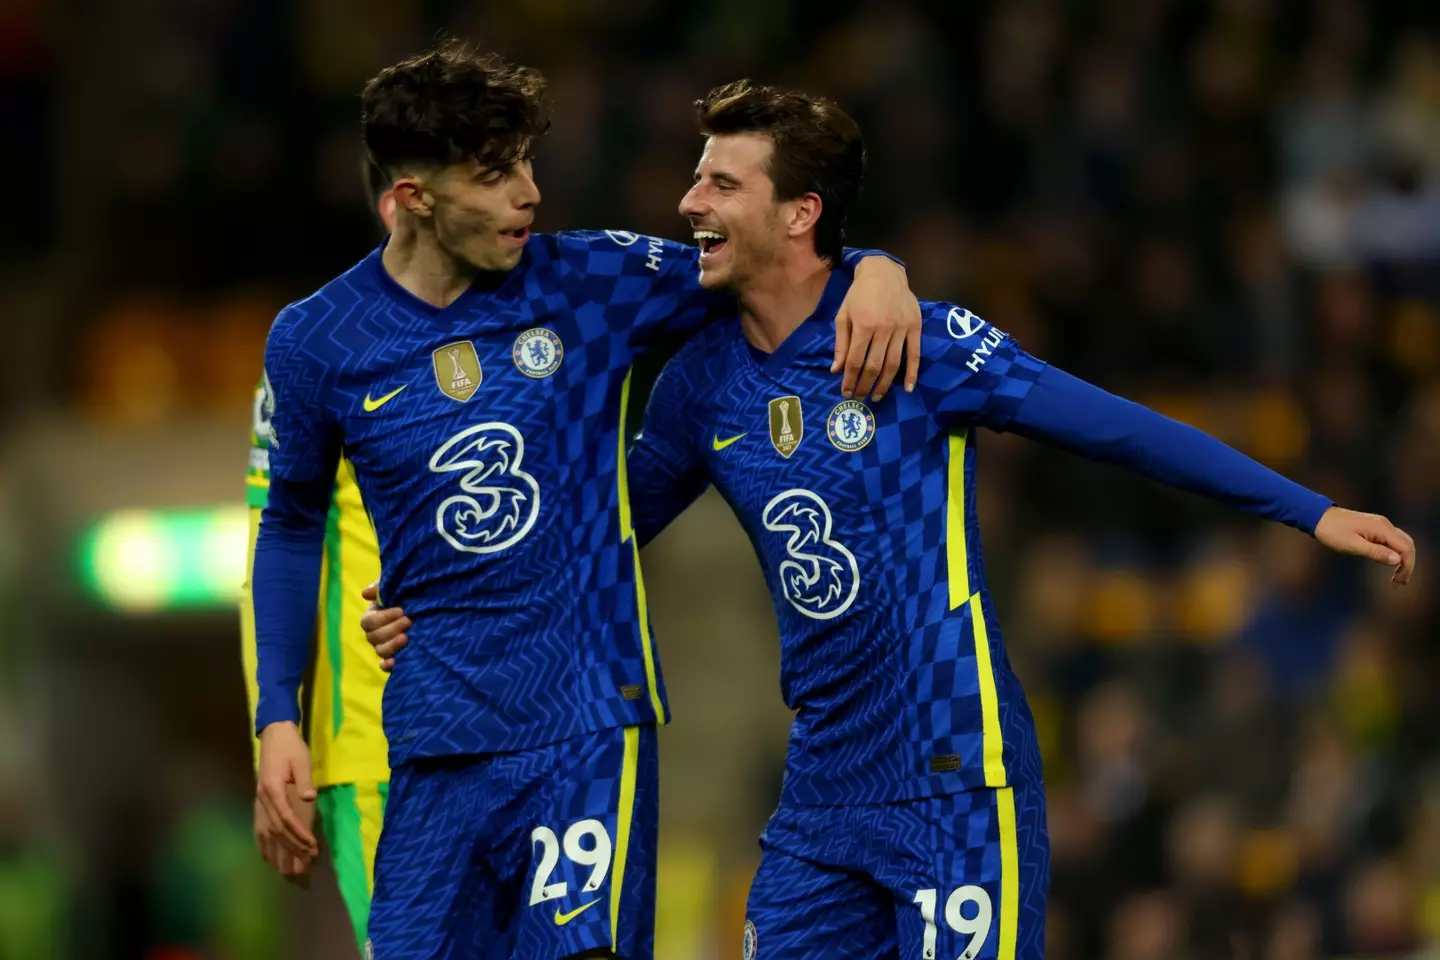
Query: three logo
x=819 y=576
x=499 y=501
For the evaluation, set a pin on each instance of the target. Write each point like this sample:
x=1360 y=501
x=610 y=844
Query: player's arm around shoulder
x=667 y=470
x=594 y=261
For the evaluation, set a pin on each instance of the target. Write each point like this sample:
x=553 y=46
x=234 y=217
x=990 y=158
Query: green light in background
x=142 y=561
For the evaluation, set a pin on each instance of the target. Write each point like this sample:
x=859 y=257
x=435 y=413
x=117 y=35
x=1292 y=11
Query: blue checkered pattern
x=456 y=870
x=843 y=882
x=539 y=641
x=887 y=687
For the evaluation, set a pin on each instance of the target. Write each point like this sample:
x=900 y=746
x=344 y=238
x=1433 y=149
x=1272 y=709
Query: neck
x=415 y=260
x=779 y=299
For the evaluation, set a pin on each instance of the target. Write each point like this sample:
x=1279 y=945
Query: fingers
x=264 y=842
x=842 y=340
x=375 y=618
x=874 y=365
x=388 y=649
x=1379 y=552
x=304 y=785
x=280 y=845
x=860 y=372
x=1404 y=545
x=382 y=626
x=267 y=846
x=891 y=366
x=912 y=352
x=1386 y=543
x=385 y=630
x=290 y=831
x=371 y=593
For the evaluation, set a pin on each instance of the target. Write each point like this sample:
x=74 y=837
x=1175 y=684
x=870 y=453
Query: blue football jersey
x=486 y=441
x=863 y=517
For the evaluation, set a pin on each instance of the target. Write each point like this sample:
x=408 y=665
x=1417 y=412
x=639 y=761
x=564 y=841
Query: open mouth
x=517 y=236
x=711 y=243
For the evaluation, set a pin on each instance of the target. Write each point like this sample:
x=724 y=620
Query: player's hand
x=294 y=869
x=285 y=764
x=385 y=629
x=878 y=322
x=1368 y=535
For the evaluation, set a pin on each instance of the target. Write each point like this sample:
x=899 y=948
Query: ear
x=410 y=195
x=804 y=214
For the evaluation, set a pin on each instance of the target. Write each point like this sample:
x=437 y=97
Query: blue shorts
x=960 y=877
x=532 y=855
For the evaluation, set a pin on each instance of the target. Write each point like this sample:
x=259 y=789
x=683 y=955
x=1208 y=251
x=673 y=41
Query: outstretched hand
x=1368 y=535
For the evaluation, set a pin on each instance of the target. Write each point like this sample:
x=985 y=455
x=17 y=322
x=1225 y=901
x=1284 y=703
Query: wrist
x=279 y=728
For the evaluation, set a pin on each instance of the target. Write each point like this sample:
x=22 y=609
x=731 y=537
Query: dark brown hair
x=818 y=148
x=450 y=104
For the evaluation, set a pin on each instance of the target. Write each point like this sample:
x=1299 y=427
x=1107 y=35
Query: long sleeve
x=284 y=584
x=666 y=472
x=249 y=660
x=1070 y=413
x=978 y=375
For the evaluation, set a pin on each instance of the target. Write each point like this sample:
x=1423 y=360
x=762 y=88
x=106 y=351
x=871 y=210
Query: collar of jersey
x=820 y=324
x=484 y=286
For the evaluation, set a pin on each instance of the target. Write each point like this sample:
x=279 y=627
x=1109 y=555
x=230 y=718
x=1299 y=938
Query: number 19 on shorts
x=976 y=926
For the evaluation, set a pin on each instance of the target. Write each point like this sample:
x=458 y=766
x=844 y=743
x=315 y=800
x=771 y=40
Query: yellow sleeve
x=248 y=658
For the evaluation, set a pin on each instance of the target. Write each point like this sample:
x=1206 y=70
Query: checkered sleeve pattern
x=659 y=278
x=974 y=374
x=666 y=472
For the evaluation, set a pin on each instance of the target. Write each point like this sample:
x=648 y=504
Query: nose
x=528 y=194
x=691 y=204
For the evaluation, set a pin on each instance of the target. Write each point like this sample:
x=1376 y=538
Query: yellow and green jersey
x=347 y=742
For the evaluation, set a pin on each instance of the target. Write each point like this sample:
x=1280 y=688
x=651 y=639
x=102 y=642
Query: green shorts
x=350 y=819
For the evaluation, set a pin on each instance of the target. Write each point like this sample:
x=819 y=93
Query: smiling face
x=481 y=215
x=733 y=211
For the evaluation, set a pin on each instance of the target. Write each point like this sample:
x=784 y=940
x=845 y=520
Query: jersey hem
x=603 y=715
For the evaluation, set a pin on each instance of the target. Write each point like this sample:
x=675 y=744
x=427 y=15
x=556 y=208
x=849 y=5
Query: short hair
x=818 y=148
x=451 y=104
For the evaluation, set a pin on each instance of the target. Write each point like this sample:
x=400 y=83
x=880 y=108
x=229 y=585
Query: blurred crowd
x=1229 y=209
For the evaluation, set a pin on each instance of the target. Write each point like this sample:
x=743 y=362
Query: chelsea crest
x=752 y=944
x=850 y=425
x=538 y=352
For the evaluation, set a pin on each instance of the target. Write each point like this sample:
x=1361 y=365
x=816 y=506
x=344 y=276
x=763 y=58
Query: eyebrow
x=722 y=177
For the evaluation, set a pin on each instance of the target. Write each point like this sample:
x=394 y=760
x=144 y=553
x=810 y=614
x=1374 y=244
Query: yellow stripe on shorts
x=1009 y=873
x=622 y=829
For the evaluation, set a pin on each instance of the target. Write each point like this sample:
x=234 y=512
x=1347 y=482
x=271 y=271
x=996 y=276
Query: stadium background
x=1228 y=209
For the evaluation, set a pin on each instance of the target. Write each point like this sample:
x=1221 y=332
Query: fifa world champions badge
x=850 y=426
x=538 y=352
x=787 y=425
x=457 y=370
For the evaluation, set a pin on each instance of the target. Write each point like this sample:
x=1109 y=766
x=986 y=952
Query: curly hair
x=451 y=104
x=818 y=148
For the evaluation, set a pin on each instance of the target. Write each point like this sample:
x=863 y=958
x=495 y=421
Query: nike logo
x=563 y=918
x=372 y=405
x=718 y=444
